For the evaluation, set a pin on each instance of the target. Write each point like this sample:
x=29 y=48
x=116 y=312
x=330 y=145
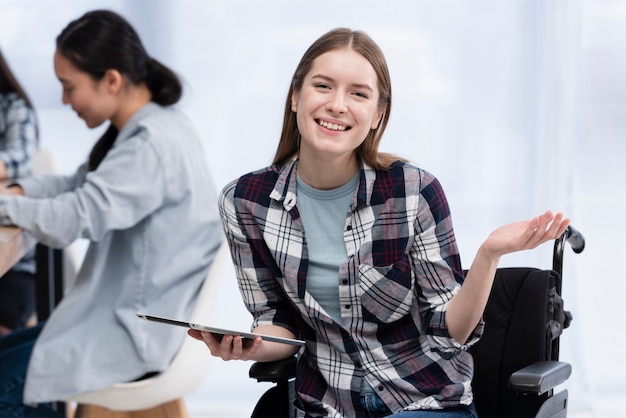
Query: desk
x=14 y=243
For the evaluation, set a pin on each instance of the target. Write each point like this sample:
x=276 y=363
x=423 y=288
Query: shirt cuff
x=4 y=216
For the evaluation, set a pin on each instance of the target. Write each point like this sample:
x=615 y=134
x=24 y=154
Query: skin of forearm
x=270 y=351
x=467 y=305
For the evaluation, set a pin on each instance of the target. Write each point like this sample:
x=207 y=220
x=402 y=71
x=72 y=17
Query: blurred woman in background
x=145 y=200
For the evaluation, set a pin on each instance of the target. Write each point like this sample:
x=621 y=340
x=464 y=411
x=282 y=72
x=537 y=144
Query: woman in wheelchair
x=353 y=251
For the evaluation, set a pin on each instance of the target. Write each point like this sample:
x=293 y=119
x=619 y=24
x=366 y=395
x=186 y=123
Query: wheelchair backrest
x=520 y=322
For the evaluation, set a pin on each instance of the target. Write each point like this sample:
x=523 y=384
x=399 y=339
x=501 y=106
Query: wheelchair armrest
x=540 y=377
x=274 y=371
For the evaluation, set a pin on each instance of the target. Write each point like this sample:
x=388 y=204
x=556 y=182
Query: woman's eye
x=321 y=86
x=361 y=95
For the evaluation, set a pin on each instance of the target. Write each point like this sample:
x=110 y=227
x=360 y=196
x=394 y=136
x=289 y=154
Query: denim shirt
x=402 y=268
x=149 y=211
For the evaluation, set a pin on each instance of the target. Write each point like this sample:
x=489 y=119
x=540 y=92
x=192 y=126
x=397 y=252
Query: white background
x=517 y=106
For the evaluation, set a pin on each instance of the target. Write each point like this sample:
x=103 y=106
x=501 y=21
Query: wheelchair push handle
x=575 y=239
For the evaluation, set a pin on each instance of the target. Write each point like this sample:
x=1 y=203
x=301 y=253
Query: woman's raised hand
x=525 y=235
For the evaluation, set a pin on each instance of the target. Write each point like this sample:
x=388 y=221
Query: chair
x=516 y=361
x=161 y=396
x=44 y=162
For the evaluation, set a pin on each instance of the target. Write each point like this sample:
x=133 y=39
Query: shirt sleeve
x=438 y=265
x=261 y=292
x=128 y=185
x=50 y=185
x=20 y=139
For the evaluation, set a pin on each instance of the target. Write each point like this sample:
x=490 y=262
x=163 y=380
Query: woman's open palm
x=526 y=235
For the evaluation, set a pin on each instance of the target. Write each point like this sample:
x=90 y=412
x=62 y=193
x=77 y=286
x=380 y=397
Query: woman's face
x=337 y=105
x=90 y=99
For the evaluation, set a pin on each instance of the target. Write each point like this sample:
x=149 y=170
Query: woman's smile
x=332 y=125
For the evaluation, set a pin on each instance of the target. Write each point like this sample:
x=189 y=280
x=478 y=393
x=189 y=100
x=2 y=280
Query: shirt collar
x=285 y=187
x=131 y=126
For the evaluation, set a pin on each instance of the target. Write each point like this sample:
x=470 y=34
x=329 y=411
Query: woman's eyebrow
x=356 y=85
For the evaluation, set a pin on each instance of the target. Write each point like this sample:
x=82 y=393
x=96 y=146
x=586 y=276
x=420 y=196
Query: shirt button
x=349 y=227
x=345 y=281
x=347 y=306
x=380 y=388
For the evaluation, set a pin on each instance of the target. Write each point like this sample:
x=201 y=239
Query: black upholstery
x=278 y=401
x=522 y=318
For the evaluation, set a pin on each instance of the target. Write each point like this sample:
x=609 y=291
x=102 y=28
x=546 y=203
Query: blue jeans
x=15 y=350
x=377 y=409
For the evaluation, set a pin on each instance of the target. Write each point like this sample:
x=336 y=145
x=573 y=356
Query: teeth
x=332 y=126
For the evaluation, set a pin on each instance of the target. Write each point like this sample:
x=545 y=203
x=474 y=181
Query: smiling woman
x=353 y=251
x=97 y=100
x=336 y=108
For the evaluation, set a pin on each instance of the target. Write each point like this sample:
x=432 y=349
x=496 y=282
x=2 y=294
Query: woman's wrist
x=13 y=189
x=487 y=256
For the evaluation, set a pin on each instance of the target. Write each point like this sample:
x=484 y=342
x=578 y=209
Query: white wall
x=516 y=106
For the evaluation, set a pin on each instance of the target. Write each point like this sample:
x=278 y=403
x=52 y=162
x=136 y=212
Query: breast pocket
x=387 y=291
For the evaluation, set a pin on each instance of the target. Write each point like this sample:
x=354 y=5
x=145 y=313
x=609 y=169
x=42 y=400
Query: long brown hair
x=360 y=42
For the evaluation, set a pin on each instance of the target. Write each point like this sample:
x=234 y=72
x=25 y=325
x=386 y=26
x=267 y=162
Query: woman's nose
x=337 y=103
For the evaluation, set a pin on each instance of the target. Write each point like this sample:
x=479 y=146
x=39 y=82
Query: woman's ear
x=113 y=80
x=379 y=115
x=294 y=102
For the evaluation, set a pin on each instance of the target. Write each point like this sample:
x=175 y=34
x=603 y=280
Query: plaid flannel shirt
x=18 y=135
x=402 y=269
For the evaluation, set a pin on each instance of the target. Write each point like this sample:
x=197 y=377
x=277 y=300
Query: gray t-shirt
x=323 y=214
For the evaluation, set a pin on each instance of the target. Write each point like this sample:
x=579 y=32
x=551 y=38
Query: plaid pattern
x=18 y=135
x=402 y=269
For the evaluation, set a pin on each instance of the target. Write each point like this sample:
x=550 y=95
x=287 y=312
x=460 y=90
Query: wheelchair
x=517 y=365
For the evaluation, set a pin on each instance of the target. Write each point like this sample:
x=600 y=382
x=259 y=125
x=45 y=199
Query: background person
x=146 y=202
x=18 y=144
x=353 y=251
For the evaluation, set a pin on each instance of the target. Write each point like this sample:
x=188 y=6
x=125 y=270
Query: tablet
x=219 y=331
